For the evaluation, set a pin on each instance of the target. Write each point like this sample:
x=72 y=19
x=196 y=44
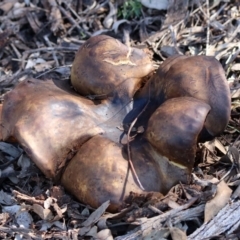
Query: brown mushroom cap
x=49 y=122
x=104 y=65
x=101 y=172
x=201 y=77
x=174 y=127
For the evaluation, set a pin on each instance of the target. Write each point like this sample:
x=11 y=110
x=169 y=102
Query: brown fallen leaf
x=44 y=214
x=7 y=5
x=218 y=202
x=105 y=235
x=177 y=234
x=162 y=234
x=92 y=232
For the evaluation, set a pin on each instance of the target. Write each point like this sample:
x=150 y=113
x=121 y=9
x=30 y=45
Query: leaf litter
x=39 y=39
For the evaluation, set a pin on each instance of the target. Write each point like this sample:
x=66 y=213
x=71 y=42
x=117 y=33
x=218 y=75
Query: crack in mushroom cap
x=103 y=65
x=80 y=141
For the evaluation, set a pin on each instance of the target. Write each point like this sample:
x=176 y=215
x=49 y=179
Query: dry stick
x=128 y=142
x=53 y=53
x=18 y=54
x=76 y=24
x=27 y=198
x=208 y=29
x=69 y=17
x=27 y=52
x=156 y=223
x=71 y=49
x=52 y=69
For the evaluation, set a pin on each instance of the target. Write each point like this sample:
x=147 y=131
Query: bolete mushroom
x=80 y=137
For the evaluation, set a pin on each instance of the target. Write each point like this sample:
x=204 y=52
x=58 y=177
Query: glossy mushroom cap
x=101 y=172
x=49 y=122
x=201 y=77
x=174 y=127
x=103 y=66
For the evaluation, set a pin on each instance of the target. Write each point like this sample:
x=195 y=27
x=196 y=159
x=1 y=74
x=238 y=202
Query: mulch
x=39 y=39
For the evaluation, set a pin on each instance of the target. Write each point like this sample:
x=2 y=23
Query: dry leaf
x=109 y=19
x=233 y=154
x=55 y=17
x=236 y=67
x=161 y=234
x=102 y=223
x=24 y=219
x=4 y=217
x=218 y=202
x=178 y=234
x=24 y=162
x=6 y=199
x=219 y=146
x=7 y=5
x=95 y=216
x=105 y=235
x=11 y=209
x=45 y=214
x=173 y=204
x=85 y=212
x=48 y=202
x=60 y=225
x=40 y=67
x=45 y=226
x=9 y=149
x=92 y=232
x=18 y=11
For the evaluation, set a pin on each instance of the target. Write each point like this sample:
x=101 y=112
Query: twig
x=156 y=222
x=14 y=78
x=52 y=69
x=27 y=198
x=128 y=142
x=53 y=53
x=226 y=221
x=46 y=49
x=18 y=54
x=155 y=210
x=69 y=17
x=208 y=29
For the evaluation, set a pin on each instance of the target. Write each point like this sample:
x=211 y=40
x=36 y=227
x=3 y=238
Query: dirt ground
x=40 y=38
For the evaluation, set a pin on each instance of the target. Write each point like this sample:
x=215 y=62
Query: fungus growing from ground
x=80 y=136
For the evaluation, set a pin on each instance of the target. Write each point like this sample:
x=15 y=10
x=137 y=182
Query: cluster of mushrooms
x=118 y=107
